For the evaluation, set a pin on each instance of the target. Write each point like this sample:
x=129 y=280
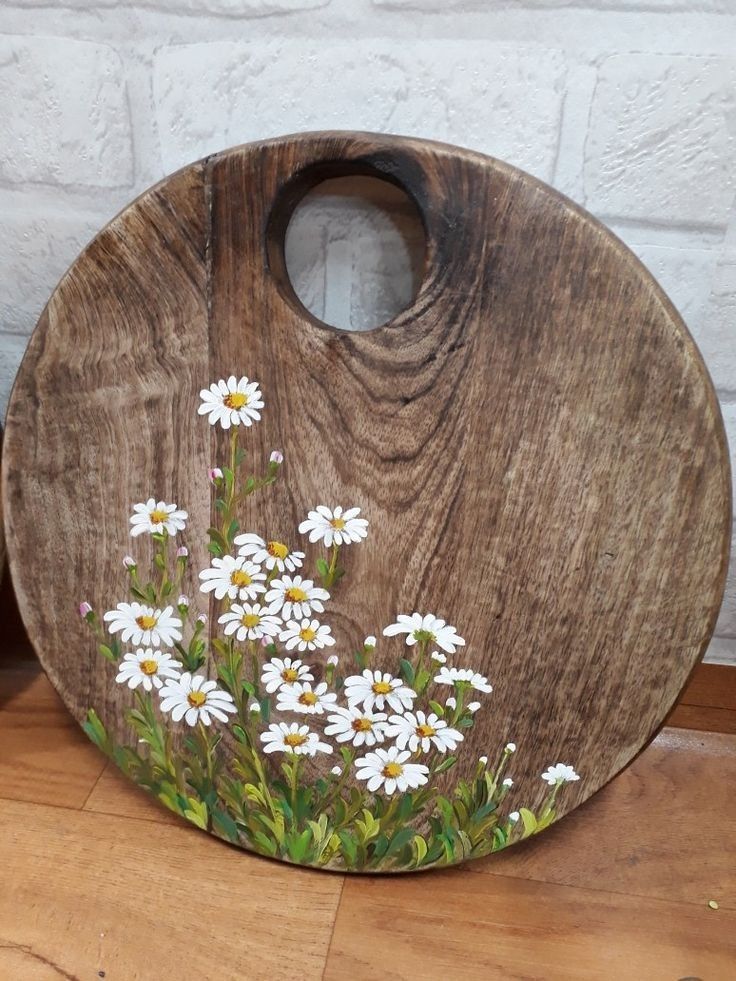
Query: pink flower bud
x=182 y=601
x=202 y=619
x=214 y=474
x=129 y=562
x=277 y=457
x=84 y=610
x=182 y=552
x=333 y=659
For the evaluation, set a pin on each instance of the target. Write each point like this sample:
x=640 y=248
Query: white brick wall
x=629 y=106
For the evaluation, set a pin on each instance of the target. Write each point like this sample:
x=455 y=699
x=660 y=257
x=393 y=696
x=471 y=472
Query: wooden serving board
x=535 y=445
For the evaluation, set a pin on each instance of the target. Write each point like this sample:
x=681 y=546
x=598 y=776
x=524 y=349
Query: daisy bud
x=473 y=706
x=336 y=771
x=265 y=641
x=214 y=474
x=483 y=760
x=276 y=457
x=86 y=612
x=510 y=747
x=450 y=703
x=202 y=619
x=254 y=707
x=182 y=552
x=369 y=643
x=508 y=782
x=514 y=817
x=130 y=563
x=333 y=660
x=439 y=657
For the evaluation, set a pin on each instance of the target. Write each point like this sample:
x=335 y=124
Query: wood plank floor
x=98 y=881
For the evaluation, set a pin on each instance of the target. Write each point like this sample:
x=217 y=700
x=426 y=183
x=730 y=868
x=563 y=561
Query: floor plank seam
x=334 y=924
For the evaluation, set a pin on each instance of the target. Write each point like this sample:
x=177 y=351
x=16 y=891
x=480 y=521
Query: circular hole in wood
x=354 y=252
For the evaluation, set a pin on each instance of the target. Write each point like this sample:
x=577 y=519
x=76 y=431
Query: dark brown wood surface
x=535 y=441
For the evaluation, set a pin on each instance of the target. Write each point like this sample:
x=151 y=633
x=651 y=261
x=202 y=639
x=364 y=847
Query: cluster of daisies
x=266 y=598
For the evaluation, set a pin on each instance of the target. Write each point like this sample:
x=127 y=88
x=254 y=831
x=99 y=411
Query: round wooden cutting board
x=541 y=470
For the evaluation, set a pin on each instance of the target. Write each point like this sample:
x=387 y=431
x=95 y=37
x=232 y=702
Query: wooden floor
x=98 y=881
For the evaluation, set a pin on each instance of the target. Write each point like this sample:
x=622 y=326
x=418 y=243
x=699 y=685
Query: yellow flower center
x=381 y=688
x=295 y=595
x=308 y=698
x=393 y=770
x=338 y=523
x=307 y=634
x=196 y=699
x=277 y=549
x=362 y=725
x=289 y=675
x=158 y=517
x=235 y=400
x=425 y=731
x=149 y=667
x=250 y=619
x=295 y=739
x=146 y=622
x=240 y=578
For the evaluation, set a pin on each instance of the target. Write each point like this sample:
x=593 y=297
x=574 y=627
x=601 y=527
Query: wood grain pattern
x=535 y=441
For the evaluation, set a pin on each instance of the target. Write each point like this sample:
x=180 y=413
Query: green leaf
x=446 y=764
x=221 y=505
x=196 y=812
x=96 y=731
x=437 y=708
x=239 y=733
x=323 y=567
x=233 y=529
x=399 y=840
x=216 y=537
x=349 y=847
x=239 y=456
x=215 y=549
x=221 y=647
x=158 y=561
x=107 y=652
x=406 y=671
x=420 y=848
x=528 y=820
x=225 y=824
x=421 y=680
x=265 y=704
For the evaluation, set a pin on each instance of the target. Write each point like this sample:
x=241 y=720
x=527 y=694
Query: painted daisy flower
x=236 y=578
x=560 y=773
x=425 y=628
x=231 y=402
x=374 y=689
x=283 y=737
x=301 y=697
x=144 y=625
x=336 y=527
x=390 y=770
x=295 y=597
x=250 y=621
x=273 y=554
x=356 y=726
x=157 y=517
x=417 y=730
x=463 y=676
x=195 y=699
x=147 y=667
x=277 y=673
x=307 y=635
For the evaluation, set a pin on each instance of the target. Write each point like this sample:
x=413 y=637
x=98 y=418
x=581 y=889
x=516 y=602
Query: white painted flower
x=369 y=643
x=147 y=667
x=294 y=597
x=306 y=635
x=463 y=676
x=283 y=737
x=451 y=703
x=418 y=730
x=336 y=771
x=514 y=817
x=236 y=578
x=439 y=657
x=510 y=747
x=195 y=699
x=231 y=402
x=144 y=625
x=130 y=563
x=560 y=773
x=427 y=629
x=334 y=527
x=483 y=760
x=250 y=621
x=473 y=707
x=333 y=660
x=374 y=689
x=157 y=517
x=276 y=457
x=356 y=726
x=273 y=554
x=507 y=782
x=390 y=770
x=279 y=672
x=301 y=697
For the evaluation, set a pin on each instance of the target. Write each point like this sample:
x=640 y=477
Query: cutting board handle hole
x=352 y=252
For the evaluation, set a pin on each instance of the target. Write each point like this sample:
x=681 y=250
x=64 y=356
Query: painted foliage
x=260 y=729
